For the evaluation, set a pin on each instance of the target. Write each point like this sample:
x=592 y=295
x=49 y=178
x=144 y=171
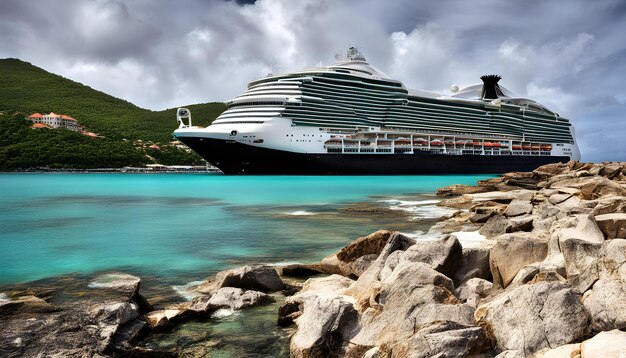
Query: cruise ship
x=351 y=118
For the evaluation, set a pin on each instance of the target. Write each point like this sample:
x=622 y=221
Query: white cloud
x=159 y=54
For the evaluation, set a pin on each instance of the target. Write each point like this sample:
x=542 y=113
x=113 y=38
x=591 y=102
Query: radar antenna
x=183 y=113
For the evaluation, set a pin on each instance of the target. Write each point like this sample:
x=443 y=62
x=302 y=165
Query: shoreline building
x=54 y=120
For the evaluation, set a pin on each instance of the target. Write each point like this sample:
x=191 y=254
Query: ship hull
x=232 y=157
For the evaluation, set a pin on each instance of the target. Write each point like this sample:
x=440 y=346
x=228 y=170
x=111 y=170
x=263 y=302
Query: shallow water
x=187 y=226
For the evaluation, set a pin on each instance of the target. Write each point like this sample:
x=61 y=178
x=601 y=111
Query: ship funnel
x=491 y=90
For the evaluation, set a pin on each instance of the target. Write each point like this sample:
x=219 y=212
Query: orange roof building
x=53 y=120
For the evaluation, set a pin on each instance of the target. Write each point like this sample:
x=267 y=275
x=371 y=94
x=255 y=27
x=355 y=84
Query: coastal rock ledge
x=545 y=278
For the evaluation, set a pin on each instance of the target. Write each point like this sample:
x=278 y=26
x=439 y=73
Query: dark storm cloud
x=570 y=55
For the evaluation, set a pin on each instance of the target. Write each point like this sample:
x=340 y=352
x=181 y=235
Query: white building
x=54 y=120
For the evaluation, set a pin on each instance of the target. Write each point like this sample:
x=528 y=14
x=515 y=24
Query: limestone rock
x=473 y=290
x=330 y=286
x=609 y=205
x=612 y=261
x=459 y=189
x=447 y=338
x=326 y=325
x=512 y=252
x=259 y=278
x=361 y=264
x=558 y=198
x=534 y=316
x=370 y=244
x=521 y=223
x=581 y=263
x=610 y=344
x=503 y=196
x=612 y=225
x=600 y=187
x=443 y=255
x=474 y=264
x=581 y=227
x=495 y=226
x=606 y=303
x=231 y=297
x=362 y=288
x=518 y=207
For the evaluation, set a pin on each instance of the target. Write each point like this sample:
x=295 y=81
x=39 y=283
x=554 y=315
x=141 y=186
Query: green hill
x=26 y=89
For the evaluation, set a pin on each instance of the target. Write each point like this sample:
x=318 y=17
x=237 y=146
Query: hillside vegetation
x=26 y=89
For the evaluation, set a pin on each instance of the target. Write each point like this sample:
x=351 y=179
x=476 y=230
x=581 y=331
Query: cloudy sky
x=569 y=55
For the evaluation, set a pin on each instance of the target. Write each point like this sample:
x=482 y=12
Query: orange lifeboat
x=436 y=143
x=475 y=144
x=517 y=147
x=536 y=147
x=546 y=147
x=526 y=146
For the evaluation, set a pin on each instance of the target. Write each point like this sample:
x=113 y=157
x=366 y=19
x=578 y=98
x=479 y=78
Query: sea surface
x=173 y=229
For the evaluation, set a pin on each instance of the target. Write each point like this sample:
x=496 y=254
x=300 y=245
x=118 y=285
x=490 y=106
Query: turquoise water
x=184 y=227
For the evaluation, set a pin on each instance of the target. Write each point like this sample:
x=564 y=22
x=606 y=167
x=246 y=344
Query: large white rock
x=605 y=345
x=512 y=252
x=534 y=316
x=606 y=303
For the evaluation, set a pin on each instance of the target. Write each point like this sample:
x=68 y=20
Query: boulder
x=512 y=252
x=549 y=170
x=612 y=260
x=330 y=286
x=230 y=297
x=443 y=255
x=609 y=205
x=258 y=278
x=325 y=327
x=531 y=317
x=473 y=290
x=558 y=198
x=518 y=207
x=361 y=264
x=370 y=244
x=448 y=338
x=612 y=225
x=610 y=344
x=606 y=303
x=581 y=263
x=599 y=187
x=474 y=264
x=581 y=227
x=299 y=270
x=361 y=289
x=495 y=226
x=521 y=223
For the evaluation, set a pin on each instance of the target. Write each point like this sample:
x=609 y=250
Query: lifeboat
x=546 y=147
x=493 y=144
x=403 y=142
x=536 y=147
x=517 y=147
x=436 y=143
x=475 y=144
x=526 y=146
x=460 y=142
x=420 y=141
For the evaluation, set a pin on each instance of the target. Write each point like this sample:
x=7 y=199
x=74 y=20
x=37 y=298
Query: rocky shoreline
x=530 y=264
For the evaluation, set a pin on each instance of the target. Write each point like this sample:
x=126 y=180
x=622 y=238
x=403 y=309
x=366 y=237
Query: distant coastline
x=132 y=170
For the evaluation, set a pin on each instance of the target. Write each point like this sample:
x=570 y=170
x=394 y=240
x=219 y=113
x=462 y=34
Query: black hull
x=235 y=158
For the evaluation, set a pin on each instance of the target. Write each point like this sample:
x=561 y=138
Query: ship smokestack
x=491 y=90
